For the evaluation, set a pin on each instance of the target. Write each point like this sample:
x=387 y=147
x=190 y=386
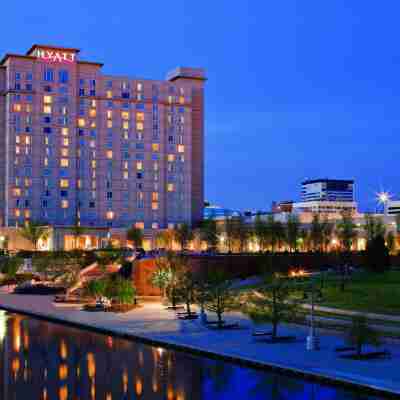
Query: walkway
x=153 y=322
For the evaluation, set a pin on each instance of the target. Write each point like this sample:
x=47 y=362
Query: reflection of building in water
x=46 y=361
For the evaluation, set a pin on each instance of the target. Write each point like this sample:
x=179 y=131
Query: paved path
x=153 y=322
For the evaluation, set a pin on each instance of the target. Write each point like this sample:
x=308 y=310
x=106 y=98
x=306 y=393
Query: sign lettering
x=55 y=56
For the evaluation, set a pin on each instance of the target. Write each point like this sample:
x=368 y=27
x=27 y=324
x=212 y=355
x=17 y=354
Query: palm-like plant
x=135 y=235
x=33 y=232
x=183 y=234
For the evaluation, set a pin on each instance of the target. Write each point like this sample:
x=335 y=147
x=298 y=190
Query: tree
x=316 y=233
x=292 y=231
x=240 y=232
x=33 y=232
x=217 y=296
x=278 y=233
x=209 y=233
x=161 y=277
x=346 y=231
x=10 y=265
x=273 y=303
x=397 y=222
x=135 y=235
x=327 y=230
x=360 y=334
x=391 y=242
x=183 y=234
x=165 y=239
x=122 y=291
x=187 y=286
x=377 y=254
x=229 y=233
x=374 y=227
x=261 y=232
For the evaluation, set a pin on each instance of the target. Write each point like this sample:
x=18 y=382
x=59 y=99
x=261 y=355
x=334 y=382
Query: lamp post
x=312 y=338
x=383 y=198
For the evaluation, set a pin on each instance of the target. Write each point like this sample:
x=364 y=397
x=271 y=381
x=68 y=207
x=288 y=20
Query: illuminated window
x=170 y=187
x=64 y=204
x=28 y=108
x=139 y=126
x=27 y=182
x=139 y=165
x=170 y=99
x=126 y=174
x=181 y=100
x=109 y=94
x=125 y=164
x=79 y=183
x=110 y=215
x=93 y=103
x=140 y=116
x=64 y=152
x=27 y=140
x=154 y=225
x=17 y=213
x=125 y=115
x=17 y=139
x=109 y=114
x=64 y=131
x=93 y=163
x=17 y=192
x=81 y=122
x=139 y=225
x=181 y=148
x=17 y=150
x=27 y=213
x=65 y=141
x=171 y=157
x=139 y=86
x=47 y=100
x=154 y=206
x=64 y=183
x=154 y=196
x=155 y=166
x=46 y=161
x=126 y=135
x=92 y=112
x=109 y=154
x=93 y=124
x=125 y=125
x=64 y=162
x=16 y=107
x=109 y=123
x=47 y=109
x=93 y=184
x=155 y=147
x=92 y=143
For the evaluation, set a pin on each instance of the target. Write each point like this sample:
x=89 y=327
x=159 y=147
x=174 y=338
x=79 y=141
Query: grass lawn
x=368 y=292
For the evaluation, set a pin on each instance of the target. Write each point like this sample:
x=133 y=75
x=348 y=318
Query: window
x=171 y=157
x=109 y=154
x=154 y=225
x=125 y=125
x=181 y=148
x=154 y=206
x=140 y=116
x=47 y=109
x=92 y=112
x=109 y=123
x=47 y=99
x=65 y=141
x=81 y=122
x=16 y=107
x=64 y=162
x=81 y=92
x=17 y=192
x=109 y=94
x=155 y=147
x=170 y=187
x=64 y=204
x=139 y=165
x=64 y=183
x=63 y=76
x=110 y=215
x=64 y=131
x=48 y=75
x=139 y=126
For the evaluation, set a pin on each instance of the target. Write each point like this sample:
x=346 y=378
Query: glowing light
x=91 y=363
x=55 y=56
x=383 y=197
x=63 y=371
x=63 y=350
x=63 y=393
x=3 y=325
x=138 y=386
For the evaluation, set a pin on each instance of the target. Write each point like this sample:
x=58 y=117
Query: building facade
x=327 y=190
x=82 y=148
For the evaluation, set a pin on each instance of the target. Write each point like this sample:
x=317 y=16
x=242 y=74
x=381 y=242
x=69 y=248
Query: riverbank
x=155 y=325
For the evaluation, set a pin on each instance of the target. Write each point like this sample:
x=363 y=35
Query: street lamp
x=383 y=198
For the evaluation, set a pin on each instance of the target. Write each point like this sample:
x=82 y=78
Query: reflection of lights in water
x=138 y=386
x=3 y=325
x=160 y=351
x=26 y=340
x=109 y=342
x=78 y=371
x=44 y=394
x=15 y=365
x=180 y=395
x=63 y=393
x=16 y=335
x=63 y=350
x=170 y=393
x=63 y=371
x=154 y=384
x=141 y=358
x=108 y=396
x=91 y=365
x=45 y=373
x=125 y=381
x=93 y=391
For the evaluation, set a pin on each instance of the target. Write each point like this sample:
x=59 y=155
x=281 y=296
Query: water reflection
x=46 y=361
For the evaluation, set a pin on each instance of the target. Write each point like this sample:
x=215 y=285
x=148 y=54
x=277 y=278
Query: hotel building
x=82 y=148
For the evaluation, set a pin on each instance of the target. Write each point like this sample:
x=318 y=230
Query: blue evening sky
x=296 y=89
